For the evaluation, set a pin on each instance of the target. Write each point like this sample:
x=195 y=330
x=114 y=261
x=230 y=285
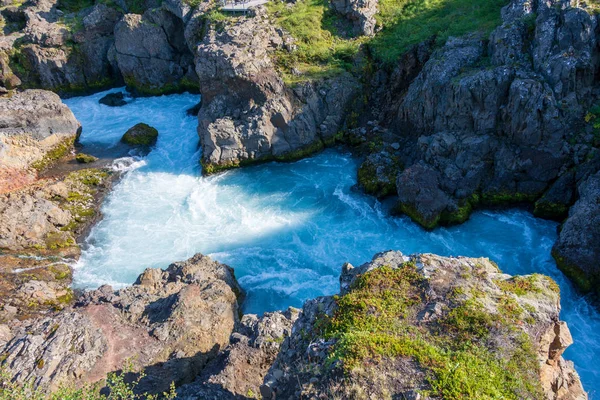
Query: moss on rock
x=550 y=210
x=375 y=320
x=583 y=281
x=59 y=151
x=85 y=158
x=140 y=135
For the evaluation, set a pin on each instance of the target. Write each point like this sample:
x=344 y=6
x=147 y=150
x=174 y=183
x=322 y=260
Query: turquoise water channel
x=285 y=228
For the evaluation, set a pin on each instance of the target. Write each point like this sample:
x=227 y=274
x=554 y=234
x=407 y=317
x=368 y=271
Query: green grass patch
x=519 y=285
x=408 y=22
x=377 y=319
x=322 y=50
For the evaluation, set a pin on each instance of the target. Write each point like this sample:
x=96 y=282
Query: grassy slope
x=324 y=51
x=321 y=50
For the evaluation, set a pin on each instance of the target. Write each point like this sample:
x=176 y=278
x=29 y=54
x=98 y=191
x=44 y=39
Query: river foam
x=285 y=228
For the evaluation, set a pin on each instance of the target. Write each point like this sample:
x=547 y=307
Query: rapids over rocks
x=284 y=227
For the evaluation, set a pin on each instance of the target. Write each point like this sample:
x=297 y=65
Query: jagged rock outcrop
x=492 y=121
x=397 y=319
x=152 y=53
x=69 y=54
x=248 y=114
x=36 y=128
x=170 y=323
x=577 y=249
x=495 y=121
x=88 y=49
x=50 y=214
x=360 y=12
x=240 y=369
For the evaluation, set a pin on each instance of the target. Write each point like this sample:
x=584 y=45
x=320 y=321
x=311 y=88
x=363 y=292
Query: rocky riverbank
x=472 y=121
x=416 y=314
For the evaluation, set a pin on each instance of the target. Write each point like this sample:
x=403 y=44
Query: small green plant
x=593 y=118
x=519 y=285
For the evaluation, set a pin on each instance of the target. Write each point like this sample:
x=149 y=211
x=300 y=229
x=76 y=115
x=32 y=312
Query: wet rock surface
x=577 y=249
x=140 y=135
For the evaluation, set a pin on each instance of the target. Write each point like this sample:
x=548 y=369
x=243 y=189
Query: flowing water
x=285 y=228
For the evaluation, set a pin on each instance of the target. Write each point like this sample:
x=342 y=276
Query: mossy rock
x=85 y=158
x=551 y=210
x=140 y=135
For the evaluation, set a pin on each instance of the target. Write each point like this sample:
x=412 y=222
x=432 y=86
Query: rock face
x=398 y=327
x=247 y=112
x=494 y=121
x=360 y=12
x=577 y=249
x=67 y=58
x=240 y=369
x=88 y=49
x=152 y=53
x=49 y=214
x=171 y=322
x=36 y=127
x=384 y=335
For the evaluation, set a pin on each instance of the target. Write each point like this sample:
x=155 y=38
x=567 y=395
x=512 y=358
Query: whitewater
x=286 y=228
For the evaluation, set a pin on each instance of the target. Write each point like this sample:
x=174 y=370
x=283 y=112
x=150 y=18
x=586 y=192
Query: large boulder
x=36 y=129
x=407 y=324
x=240 y=369
x=152 y=53
x=170 y=323
x=248 y=114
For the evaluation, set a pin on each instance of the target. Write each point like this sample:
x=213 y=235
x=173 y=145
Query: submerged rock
x=113 y=100
x=140 y=135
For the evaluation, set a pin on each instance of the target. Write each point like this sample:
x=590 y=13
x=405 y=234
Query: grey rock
x=577 y=249
x=170 y=322
x=247 y=113
x=152 y=54
x=360 y=12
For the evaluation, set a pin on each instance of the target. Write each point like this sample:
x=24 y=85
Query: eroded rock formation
x=169 y=323
x=36 y=128
x=364 y=344
x=248 y=114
